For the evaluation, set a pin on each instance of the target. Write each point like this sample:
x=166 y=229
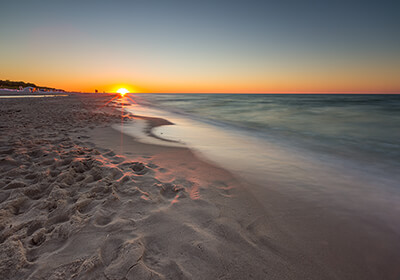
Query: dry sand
x=79 y=200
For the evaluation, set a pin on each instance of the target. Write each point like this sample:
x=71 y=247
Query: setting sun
x=122 y=91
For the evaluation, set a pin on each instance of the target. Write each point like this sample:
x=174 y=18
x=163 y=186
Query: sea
x=318 y=147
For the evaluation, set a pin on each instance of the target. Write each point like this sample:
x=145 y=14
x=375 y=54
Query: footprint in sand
x=139 y=168
x=169 y=190
x=102 y=220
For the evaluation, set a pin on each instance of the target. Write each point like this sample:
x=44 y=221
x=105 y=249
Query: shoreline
x=80 y=200
x=320 y=229
x=243 y=214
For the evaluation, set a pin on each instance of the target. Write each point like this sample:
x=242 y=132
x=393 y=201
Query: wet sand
x=80 y=200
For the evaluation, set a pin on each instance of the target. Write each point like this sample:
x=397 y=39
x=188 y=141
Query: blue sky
x=203 y=46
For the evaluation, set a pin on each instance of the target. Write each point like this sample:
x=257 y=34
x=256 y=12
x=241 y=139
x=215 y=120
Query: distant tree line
x=15 y=85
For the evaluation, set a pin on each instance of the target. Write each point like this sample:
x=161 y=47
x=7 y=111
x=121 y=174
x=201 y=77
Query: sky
x=210 y=46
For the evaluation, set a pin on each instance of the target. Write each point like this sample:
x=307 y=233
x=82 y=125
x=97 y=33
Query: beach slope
x=79 y=200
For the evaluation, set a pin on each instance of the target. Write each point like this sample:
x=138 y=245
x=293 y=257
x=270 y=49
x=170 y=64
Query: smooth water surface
x=339 y=150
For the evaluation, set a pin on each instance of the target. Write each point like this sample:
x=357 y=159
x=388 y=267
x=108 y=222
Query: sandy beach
x=213 y=139
x=80 y=200
x=71 y=209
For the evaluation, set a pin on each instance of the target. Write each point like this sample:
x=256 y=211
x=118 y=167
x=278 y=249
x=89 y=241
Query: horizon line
x=289 y=92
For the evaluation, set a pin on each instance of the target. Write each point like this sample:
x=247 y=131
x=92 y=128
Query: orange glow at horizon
x=122 y=91
x=306 y=82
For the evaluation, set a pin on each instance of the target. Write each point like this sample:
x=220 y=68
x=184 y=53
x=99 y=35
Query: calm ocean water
x=337 y=151
x=287 y=138
x=362 y=125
